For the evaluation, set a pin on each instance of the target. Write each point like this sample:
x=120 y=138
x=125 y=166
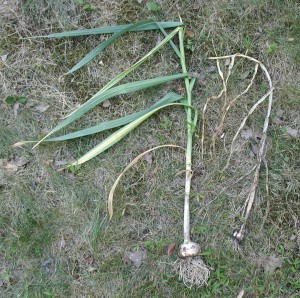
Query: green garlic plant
x=190 y=266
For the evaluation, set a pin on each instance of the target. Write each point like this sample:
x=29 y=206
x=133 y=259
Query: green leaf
x=122 y=75
x=22 y=99
x=91 y=55
x=89 y=7
x=171 y=42
x=10 y=100
x=119 y=135
x=153 y=6
x=107 y=94
x=110 y=30
x=169 y=98
x=273 y=46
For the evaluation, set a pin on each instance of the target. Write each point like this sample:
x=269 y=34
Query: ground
x=56 y=237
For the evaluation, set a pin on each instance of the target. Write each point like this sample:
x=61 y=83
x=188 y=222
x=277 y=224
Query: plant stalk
x=188 y=166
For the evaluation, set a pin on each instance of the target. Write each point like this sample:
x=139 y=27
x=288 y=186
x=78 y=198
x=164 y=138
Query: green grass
x=46 y=214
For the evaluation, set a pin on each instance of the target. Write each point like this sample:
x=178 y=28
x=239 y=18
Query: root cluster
x=192 y=271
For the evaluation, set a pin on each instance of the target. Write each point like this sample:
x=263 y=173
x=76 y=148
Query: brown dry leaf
x=76 y=276
x=16 y=164
x=248 y=134
x=58 y=163
x=148 y=158
x=88 y=260
x=20 y=162
x=189 y=33
x=106 y=104
x=171 y=248
x=135 y=258
x=42 y=108
x=48 y=162
x=10 y=168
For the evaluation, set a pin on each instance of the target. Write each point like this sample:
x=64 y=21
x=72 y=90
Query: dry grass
x=46 y=215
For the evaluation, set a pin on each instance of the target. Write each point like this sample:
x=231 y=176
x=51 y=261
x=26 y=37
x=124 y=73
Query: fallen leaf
x=48 y=265
x=292 y=132
x=135 y=258
x=70 y=175
x=91 y=269
x=189 y=33
x=14 y=165
x=20 y=162
x=76 y=276
x=227 y=61
x=106 y=104
x=244 y=75
x=58 y=163
x=47 y=161
x=269 y=263
x=171 y=248
x=11 y=168
x=16 y=108
x=42 y=108
x=62 y=243
x=210 y=69
x=4 y=57
x=279 y=112
x=247 y=134
x=148 y=158
x=88 y=260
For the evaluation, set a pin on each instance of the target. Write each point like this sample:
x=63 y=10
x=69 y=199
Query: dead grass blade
x=131 y=164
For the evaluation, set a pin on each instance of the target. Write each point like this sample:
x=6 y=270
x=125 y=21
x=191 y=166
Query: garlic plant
x=191 y=268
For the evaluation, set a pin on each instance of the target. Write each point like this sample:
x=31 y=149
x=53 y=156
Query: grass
x=47 y=215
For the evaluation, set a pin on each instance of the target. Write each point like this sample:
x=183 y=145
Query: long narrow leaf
x=86 y=59
x=118 y=90
x=169 y=98
x=111 y=29
x=138 y=63
x=119 y=135
x=177 y=52
x=127 y=71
